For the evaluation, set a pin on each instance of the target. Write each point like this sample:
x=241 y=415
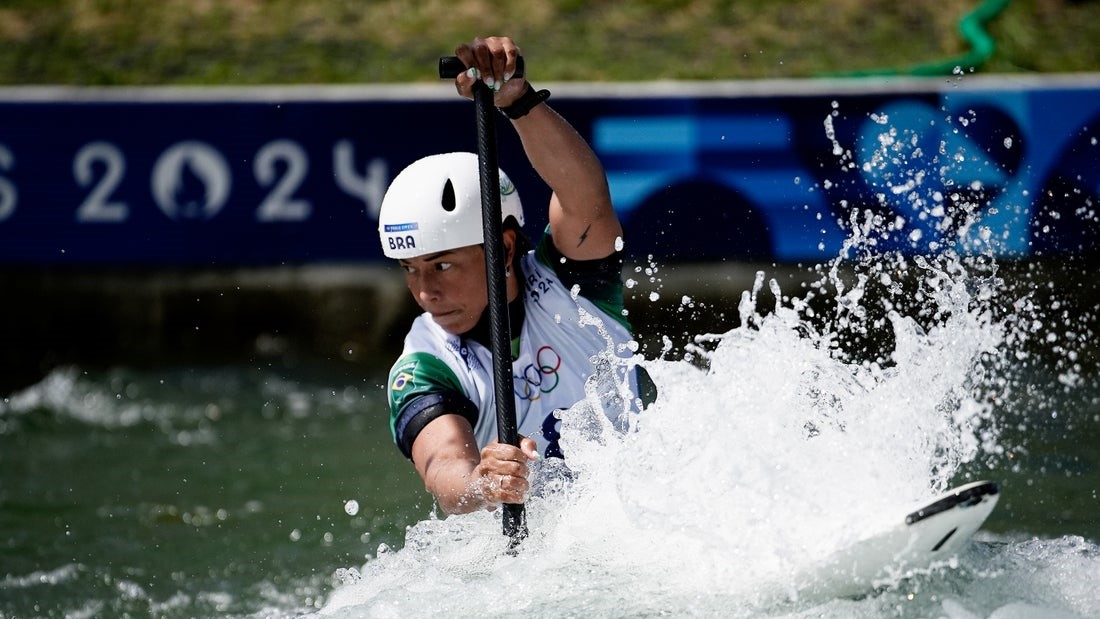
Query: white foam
x=777 y=453
x=774 y=445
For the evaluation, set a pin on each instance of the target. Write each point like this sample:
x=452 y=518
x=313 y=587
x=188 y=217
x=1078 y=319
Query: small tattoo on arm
x=584 y=235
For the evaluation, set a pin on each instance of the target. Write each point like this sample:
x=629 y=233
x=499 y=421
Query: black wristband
x=525 y=103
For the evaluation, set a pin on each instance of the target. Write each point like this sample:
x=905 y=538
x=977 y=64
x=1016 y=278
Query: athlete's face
x=449 y=285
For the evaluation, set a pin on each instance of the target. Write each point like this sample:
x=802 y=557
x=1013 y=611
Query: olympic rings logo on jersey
x=537 y=376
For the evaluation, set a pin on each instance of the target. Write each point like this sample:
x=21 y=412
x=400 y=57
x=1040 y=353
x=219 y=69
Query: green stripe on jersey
x=414 y=375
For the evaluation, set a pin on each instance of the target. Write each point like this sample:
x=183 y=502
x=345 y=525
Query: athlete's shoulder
x=424 y=333
x=420 y=373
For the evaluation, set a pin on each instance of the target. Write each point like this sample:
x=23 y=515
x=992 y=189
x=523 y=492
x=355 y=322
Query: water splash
x=747 y=467
x=806 y=428
x=809 y=426
x=186 y=404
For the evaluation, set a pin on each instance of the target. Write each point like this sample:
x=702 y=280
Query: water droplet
x=351 y=506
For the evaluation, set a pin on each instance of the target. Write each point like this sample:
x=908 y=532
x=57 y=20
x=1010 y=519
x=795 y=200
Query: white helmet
x=435 y=205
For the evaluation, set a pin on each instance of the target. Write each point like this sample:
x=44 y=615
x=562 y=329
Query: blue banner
x=725 y=172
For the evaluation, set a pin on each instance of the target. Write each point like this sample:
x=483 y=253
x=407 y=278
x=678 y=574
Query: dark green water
x=193 y=492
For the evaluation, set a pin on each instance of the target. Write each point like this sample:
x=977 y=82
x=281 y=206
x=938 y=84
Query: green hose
x=971 y=26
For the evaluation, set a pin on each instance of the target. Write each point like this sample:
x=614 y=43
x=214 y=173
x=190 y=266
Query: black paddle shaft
x=515 y=521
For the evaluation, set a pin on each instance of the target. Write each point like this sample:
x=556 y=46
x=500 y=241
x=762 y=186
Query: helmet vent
x=448 y=199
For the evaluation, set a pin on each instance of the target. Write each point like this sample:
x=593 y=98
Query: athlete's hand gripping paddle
x=515 y=522
x=451 y=66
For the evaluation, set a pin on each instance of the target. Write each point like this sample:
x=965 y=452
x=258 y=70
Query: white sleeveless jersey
x=566 y=342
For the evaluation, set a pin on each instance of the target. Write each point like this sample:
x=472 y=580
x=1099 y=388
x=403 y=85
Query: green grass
x=139 y=42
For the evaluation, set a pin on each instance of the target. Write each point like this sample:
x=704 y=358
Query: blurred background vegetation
x=148 y=42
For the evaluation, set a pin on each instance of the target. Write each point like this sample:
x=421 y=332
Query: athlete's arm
x=582 y=221
x=460 y=478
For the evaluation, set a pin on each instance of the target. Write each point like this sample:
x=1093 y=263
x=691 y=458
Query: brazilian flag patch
x=400 y=381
